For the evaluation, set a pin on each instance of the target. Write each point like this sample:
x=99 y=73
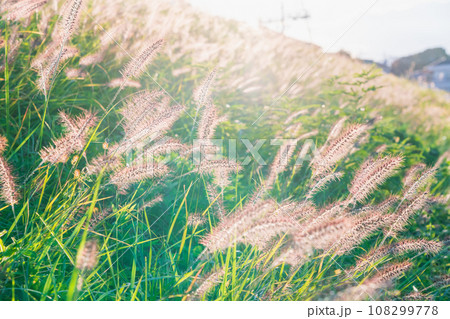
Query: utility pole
x=286 y=18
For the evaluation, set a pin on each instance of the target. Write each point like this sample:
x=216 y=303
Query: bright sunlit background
x=379 y=30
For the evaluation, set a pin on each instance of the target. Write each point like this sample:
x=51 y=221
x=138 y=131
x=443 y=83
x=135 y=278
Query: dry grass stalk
x=73 y=141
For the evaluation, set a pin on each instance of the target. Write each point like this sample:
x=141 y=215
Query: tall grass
x=102 y=199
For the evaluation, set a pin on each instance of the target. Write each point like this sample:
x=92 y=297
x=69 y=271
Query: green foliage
x=152 y=253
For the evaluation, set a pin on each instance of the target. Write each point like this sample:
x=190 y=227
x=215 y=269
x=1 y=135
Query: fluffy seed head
x=201 y=94
x=372 y=174
x=137 y=66
x=8 y=187
x=88 y=257
x=337 y=149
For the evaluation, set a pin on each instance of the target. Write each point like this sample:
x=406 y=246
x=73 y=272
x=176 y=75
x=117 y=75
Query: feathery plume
x=151 y=203
x=373 y=286
x=210 y=281
x=372 y=174
x=3 y=143
x=418 y=183
x=98 y=56
x=137 y=66
x=201 y=94
x=322 y=183
x=215 y=198
x=70 y=19
x=442 y=281
x=91 y=59
x=73 y=141
x=321 y=236
x=296 y=209
x=412 y=173
x=337 y=149
x=336 y=130
x=381 y=208
x=233 y=226
x=220 y=169
x=98 y=217
x=23 y=9
x=73 y=74
x=8 y=191
x=146 y=116
x=114 y=83
x=399 y=220
x=126 y=176
x=48 y=69
x=107 y=162
x=261 y=233
x=87 y=259
x=280 y=162
x=208 y=123
x=416 y=296
x=326 y=214
x=196 y=219
x=362 y=229
x=164 y=146
x=396 y=249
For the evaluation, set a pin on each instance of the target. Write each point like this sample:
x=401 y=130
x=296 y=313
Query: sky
x=369 y=29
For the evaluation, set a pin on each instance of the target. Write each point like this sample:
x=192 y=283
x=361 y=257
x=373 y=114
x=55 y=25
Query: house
x=439 y=75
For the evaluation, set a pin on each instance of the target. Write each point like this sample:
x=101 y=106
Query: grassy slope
x=152 y=254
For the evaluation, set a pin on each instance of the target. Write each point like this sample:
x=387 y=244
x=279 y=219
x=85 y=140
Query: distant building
x=440 y=75
x=435 y=75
